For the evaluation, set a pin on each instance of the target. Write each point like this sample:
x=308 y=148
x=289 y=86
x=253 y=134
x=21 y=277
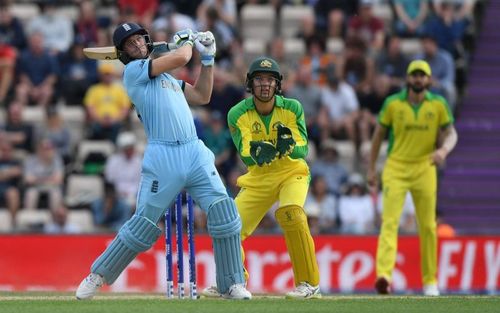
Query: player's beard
x=417 y=88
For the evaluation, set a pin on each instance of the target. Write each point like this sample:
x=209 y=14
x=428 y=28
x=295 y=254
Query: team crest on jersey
x=256 y=128
x=429 y=116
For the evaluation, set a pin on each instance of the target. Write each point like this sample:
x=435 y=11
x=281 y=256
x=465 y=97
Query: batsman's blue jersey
x=159 y=102
x=174 y=158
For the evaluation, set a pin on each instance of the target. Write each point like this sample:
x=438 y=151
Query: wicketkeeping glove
x=262 y=152
x=205 y=44
x=285 y=142
x=184 y=37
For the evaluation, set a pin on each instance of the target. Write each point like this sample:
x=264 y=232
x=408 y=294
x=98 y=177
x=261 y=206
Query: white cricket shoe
x=238 y=292
x=304 y=291
x=89 y=286
x=211 y=292
x=431 y=290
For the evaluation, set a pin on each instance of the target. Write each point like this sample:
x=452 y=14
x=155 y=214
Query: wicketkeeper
x=270 y=135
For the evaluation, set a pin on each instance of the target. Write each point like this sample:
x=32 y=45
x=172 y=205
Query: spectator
x=143 y=10
x=333 y=14
x=86 y=26
x=10 y=178
x=356 y=208
x=411 y=16
x=110 y=212
x=340 y=109
x=11 y=28
x=218 y=140
x=391 y=62
x=309 y=95
x=224 y=92
x=59 y=223
x=226 y=10
x=43 y=174
x=329 y=167
x=19 y=133
x=318 y=59
x=37 y=71
x=448 y=28
x=126 y=182
x=463 y=9
x=443 y=70
x=58 y=134
x=324 y=203
x=367 y=26
x=358 y=67
x=56 y=29
x=80 y=74
x=7 y=65
x=107 y=105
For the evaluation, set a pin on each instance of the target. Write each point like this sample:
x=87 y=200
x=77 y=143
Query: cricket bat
x=160 y=47
x=109 y=52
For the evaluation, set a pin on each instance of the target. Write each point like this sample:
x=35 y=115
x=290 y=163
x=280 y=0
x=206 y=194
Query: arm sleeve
x=445 y=115
x=384 y=116
x=299 y=133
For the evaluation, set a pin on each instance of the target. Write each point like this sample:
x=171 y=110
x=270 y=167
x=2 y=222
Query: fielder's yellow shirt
x=246 y=124
x=414 y=129
x=107 y=100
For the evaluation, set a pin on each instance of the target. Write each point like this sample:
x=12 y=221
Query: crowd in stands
x=339 y=58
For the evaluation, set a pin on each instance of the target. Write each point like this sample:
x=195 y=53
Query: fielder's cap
x=125 y=139
x=106 y=68
x=419 y=65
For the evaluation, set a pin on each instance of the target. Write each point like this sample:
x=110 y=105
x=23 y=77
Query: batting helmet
x=264 y=64
x=124 y=31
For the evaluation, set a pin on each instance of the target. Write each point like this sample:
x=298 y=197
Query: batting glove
x=205 y=44
x=184 y=37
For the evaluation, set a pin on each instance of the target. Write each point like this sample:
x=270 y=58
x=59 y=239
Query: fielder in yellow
x=270 y=135
x=421 y=135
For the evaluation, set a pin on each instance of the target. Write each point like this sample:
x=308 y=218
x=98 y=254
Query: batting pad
x=137 y=235
x=299 y=243
x=224 y=226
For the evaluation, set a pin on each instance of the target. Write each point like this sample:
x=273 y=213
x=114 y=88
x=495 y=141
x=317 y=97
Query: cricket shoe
x=431 y=290
x=238 y=292
x=89 y=286
x=304 y=291
x=211 y=292
x=382 y=286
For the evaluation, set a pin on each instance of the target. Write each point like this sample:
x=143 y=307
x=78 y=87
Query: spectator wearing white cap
x=356 y=207
x=123 y=168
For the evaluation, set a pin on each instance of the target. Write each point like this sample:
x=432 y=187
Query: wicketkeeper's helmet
x=264 y=64
x=124 y=31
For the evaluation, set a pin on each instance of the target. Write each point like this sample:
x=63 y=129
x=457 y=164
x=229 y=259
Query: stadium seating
x=291 y=17
x=81 y=190
x=257 y=21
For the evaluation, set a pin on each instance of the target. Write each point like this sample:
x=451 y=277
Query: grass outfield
x=121 y=303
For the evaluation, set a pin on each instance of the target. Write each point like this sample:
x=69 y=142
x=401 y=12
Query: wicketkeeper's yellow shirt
x=246 y=124
x=414 y=129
